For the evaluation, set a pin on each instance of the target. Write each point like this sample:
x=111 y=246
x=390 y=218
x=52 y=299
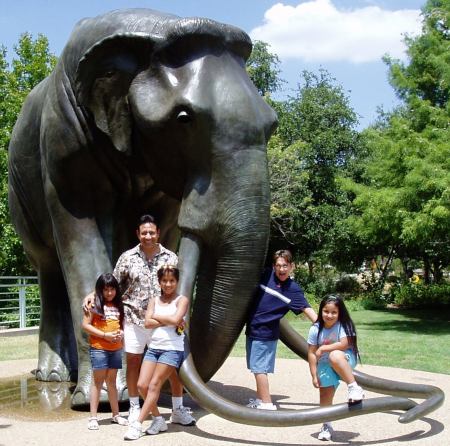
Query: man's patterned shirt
x=138 y=280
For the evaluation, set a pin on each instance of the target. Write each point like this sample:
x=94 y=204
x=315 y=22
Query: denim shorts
x=105 y=359
x=173 y=358
x=326 y=374
x=261 y=355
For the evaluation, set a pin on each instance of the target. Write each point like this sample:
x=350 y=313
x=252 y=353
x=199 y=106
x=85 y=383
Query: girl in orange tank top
x=104 y=323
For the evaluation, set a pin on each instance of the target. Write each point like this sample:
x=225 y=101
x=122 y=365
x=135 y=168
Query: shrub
x=420 y=295
x=347 y=284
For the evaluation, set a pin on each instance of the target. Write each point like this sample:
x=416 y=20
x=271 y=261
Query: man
x=136 y=272
x=277 y=293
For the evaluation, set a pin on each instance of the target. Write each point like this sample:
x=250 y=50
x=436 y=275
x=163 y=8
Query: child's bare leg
x=176 y=386
x=159 y=377
x=341 y=366
x=145 y=376
x=262 y=387
x=326 y=395
x=110 y=379
x=98 y=377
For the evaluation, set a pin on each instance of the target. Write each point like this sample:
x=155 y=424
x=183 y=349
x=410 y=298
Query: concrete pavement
x=27 y=420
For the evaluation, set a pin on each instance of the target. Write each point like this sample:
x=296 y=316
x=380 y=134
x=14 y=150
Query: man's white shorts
x=136 y=338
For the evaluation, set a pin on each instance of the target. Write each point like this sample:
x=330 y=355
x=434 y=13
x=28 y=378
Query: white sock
x=158 y=417
x=351 y=385
x=177 y=401
x=134 y=401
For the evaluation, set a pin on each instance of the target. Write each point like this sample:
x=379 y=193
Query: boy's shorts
x=173 y=358
x=136 y=338
x=326 y=374
x=105 y=359
x=261 y=355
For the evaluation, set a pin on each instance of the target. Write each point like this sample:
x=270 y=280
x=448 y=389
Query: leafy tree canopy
x=32 y=63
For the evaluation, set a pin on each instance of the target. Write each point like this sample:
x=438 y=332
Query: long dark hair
x=344 y=319
x=104 y=281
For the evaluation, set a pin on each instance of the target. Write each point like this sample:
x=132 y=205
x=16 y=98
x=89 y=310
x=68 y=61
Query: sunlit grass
x=410 y=339
x=18 y=347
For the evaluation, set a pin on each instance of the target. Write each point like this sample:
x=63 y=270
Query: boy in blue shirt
x=277 y=293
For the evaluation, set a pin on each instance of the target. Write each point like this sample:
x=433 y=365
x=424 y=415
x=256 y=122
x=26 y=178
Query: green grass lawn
x=410 y=339
x=18 y=347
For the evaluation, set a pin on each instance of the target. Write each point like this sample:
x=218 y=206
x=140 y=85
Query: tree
x=263 y=69
x=316 y=142
x=403 y=201
x=33 y=63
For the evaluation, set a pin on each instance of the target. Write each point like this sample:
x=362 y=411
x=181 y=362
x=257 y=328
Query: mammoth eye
x=109 y=73
x=183 y=117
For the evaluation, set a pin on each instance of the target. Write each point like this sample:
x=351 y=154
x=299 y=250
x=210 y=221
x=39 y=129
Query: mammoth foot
x=81 y=394
x=52 y=368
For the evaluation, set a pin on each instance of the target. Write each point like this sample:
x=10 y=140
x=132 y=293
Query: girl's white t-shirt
x=166 y=337
x=327 y=336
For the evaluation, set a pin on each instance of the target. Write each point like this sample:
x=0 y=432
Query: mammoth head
x=107 y=68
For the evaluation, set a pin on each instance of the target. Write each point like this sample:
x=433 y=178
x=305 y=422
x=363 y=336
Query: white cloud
x=316 y=31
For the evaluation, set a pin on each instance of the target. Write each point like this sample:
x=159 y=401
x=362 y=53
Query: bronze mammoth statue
x=149 y=112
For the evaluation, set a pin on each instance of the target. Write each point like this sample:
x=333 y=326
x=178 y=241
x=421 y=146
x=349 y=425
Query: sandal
x=93 y=424
x=117 y=419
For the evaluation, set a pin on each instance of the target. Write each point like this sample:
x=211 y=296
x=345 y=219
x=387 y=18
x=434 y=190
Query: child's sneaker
x=93 y=424
x=254 y=403
x=133 y=413
x=158 y=425
x=325 y=433
x=182 y=415
x=355 y=393
x=117 y=419
x=266 y=406
x=134 y=431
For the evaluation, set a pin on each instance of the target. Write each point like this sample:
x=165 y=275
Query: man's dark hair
x=147 y=218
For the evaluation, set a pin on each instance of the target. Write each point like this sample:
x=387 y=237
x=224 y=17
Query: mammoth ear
x=103 y=78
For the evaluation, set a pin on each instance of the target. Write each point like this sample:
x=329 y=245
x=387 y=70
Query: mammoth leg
x=84 y=253
x=57 y=347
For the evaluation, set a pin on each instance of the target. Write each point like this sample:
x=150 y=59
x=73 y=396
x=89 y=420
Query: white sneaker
x=182 y=415
x=253 y=403
x=158 y=425
x=266 y=406
x=134 y=431
x=355 y=394
x=133 y=413
x=325 y=432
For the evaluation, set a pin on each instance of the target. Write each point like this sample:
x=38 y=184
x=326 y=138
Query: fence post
x=22 y=304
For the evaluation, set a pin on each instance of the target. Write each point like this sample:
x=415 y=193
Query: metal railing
x=19 y=302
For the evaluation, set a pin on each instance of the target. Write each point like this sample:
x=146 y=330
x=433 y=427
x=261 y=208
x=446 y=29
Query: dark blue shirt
x=264 y=319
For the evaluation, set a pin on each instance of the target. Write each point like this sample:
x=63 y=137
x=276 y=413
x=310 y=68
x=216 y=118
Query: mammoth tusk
x=434 y=396
x=241 y=414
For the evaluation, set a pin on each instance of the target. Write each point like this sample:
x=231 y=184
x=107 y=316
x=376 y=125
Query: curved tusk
x=434 y=396
x=241 y=414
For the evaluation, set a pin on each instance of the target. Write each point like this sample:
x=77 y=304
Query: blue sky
x=346 y=37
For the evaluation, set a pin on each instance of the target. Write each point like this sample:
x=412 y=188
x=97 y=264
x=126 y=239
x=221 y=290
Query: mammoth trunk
x=229 y=264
